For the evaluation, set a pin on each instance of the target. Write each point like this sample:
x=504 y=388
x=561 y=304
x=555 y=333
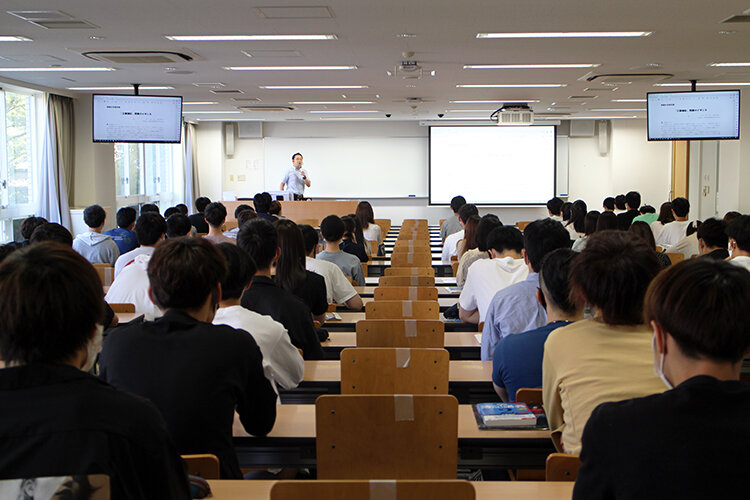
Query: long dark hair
x=290 y=268
x=665 y=213
x=357 y=233
x=578 y=216
x=365 y=214
x=470 y=231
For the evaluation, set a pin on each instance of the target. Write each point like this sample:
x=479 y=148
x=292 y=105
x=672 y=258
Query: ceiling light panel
x=12 y=38
x=311 y=87
x=321 y=103
x=568 y=34
x=628 y=100
x=730 y=65
x=333 y=111
x=512 y=86
x=510 y=101
x=289 y=68
x=248 y=38
x=129 y=87
x=531 y=66
x=55 y=69
x=704 y=84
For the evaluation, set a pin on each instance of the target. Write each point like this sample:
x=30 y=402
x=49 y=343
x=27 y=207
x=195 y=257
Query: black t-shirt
x=625 y=219
x=199 y=223
x=313 y=293
x=357 y=249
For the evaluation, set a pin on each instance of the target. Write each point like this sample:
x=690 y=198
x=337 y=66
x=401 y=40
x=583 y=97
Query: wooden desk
x=443 y=302
x=369 y=291
x=439 y=281
x=349 y=320
x=310 y=209
x=460 y=345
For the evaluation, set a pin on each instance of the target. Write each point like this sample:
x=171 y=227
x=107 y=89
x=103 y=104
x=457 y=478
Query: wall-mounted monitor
x=137 y=118
x=701 y=115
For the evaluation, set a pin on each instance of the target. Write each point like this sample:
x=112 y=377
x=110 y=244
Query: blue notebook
x=499 y=415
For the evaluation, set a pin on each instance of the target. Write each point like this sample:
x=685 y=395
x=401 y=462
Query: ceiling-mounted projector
x=513 y=114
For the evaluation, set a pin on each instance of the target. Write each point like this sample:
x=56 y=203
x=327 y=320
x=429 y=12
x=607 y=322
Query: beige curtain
x=190 y=156
x=57 y=161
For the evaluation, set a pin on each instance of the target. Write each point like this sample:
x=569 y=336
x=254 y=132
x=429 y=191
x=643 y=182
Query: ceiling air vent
x=740 y=18
x=226 y=91
x=266 y=108
x=138 y=56
x=306 y=12
x=627 y=78
x=245 y=99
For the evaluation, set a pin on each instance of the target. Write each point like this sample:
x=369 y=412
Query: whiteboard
x=351 y=167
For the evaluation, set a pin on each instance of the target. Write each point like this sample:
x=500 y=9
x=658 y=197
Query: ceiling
x=373 y=35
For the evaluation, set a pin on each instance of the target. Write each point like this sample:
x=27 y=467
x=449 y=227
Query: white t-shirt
x=131 y=287
x=338 y=288
x=372 y=233
x=449 y=245
x=574 y=235
x=672 y=233
x=486 y=277
x=282 y=362
x=126 y=258
x=741 y=261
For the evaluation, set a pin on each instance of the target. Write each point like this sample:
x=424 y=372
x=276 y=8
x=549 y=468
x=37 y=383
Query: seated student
x=487 y=277
x=607 y=357
x=182 y=208
x=620 y=204
x=350 y=243
x=123 y=235
x=688 y=246
x=676 y=230
x=96 y=247
x=643 y=231
x=576 y=224
x=713 y=240
x=260 y=240
x=338 y=288
x=608 y=204
x=694 y=434
x=170 y=212
x=554 y=208
x=486 y=224
x=646 y=214
x=198 y=220
x=449 y=245
x=27 y=228
x=215 y=215
x=150 y=207
x=469 y=241
x=632 y=202
x=282 y=362
x=514 y=309
x=452 y=225
x=262 y=202
x=232 y=233
x=366 y=217
x=566 y=212
x=178 y=225
x=196 y=373
x=150 y=229
x=665 y=217
x=131 y=285
x=56 y=419
x=589 y=228
x=606 y=221
x=517 y=361
x=738 y=231
x=275 y=209
x=332 y=229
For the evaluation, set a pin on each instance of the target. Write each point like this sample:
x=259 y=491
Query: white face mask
x=659 y=367
x=93 y=348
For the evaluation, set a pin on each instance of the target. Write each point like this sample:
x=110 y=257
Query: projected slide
x=693 y=115
x=492 y=165
x=119 y=118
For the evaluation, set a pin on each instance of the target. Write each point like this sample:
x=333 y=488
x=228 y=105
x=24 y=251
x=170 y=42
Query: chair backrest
x=562 y=467
x=402 y=309
x=386 y=437
x=405 y=293
x=442 y=221
x=385 y=226
x=309 y=222
x=454 y=267
x=406 y=281
x=528 y=395
x=203 y=465
x=336 y=490
x=419 y=236
x=400 y=333
x=411 y=259
x=373 y=247
x=394 y=370
x=521 y=225
x=106 y=273
x=675 y=257
x=410 y=271
x=412 y=244
x=122 y=308
x=409 y=223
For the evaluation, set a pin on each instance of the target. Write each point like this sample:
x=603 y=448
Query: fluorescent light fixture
x=495 y=102
x=512 y=86
x=599 y=117
x=10 y=38
x=462 y=118
x=211 y=112
x=129 y=87
x=55 y=69
x=314 y=103
x=704 y=84
x=347 y=119
x=195 y=103
x=247 y=38
x=627 y=100
x=619 y=110
x=470 y=110
x=333 y=111
x=730 y=65
x=529 y=66
x=310 y=87
x=568 y=34
x=288 y=68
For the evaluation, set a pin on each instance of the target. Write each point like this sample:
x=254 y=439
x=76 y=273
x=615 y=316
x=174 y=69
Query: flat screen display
x=492 y=165
x=131 y=118
x=676 y=116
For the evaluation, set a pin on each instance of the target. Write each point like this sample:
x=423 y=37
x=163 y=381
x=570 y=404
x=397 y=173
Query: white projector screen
x=675 y=116
x=492 y=165
x=130 y=118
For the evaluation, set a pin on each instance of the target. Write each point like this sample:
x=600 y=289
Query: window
x=149 y=173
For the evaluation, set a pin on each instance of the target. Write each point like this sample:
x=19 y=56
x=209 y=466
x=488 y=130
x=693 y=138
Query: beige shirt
x=466 y=260
x=588 y=363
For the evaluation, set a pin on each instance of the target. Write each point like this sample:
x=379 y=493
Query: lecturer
x=296 y=178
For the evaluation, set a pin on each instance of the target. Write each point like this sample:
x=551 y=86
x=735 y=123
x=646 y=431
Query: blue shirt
x=294 y=181
x=125 y=239
x=517 y=361
x=513 y=310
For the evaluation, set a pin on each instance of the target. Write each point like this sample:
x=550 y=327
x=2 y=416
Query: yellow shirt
x=588 y=363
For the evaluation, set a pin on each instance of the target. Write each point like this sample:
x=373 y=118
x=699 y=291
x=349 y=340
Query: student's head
x=620 y=202
x=309 y=237
x=566 y=210
x=485 y=227
x=94 y=216
x=647 y=209
x=643 y=231
x=730 y=216
x=554 y=206
x=554 y=280
x=665 y=213
x=149 y=207
x=633 y=200
x=185 y=272
x=6 y=250
x=332 y=228
x=466 y=211
x=713 y=234
x=52 y=232
x=240 y=271
x=170 y=211
x=245 y=216
x=457 y=202
x=240 y=208
x=702 y=305
x=504 y=238
x=178 y=225
x=54 y=279
x=290 y=268
x=126 y=217
x=201 y=204
x=259 y=239
x=608 y=203
x=349 y=227
x=578 y=215
x=262 y=204
x=606 y=221
x=589 y=222
x=359 y=235
x=612 y=274
x=470 y=232
x=274 y=208
x=29 y=224
x=149 y=228
x=182 y=208
x=365 y=214
x=680 y=207
x=738 y=231
x=541 y=237
x=692 y=228
x=215 y=214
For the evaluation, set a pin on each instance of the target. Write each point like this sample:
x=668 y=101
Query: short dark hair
x=606 y=220
x=29 y=224
x=6 y=250
x=240 y=270
x=170 y=211
x=274 y=208
x=589 y=222
x=730 y=216
x=72 y=307
x=332 y=228
x=541 y=237
x=554 y=279
x=178 y=225
x=295 y=154
x=692 y=227
x=681 y=206
x=258 y=238
x=702 y=303
x=486 y=224
x=643 y=231
x=126 y=216
x=466 y=211
x=215 y=214
x=633 y=199
x=554 y=205
x=201 y=203
x=309 y=236
x=241 y=207
x=612 y=274
x=609 y=203
x=738 y=229
x=52 y=231
x=149 y=228
x=182 y=208
x=262 y=203
x=245 y=216
x=647 y=209
x=149 y=207
x=94 y=216
x=457 y=202
x=620 y=201
x=713 y=233
x=184 y=271
x=505 y=238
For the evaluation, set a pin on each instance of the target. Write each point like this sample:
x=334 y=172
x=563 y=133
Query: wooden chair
x=402 y=309
x=675 y=257
x=385 y=226
x=420 y=223
x=351 y=280
x=412 y=246
x=454 y=267
x=338 y=490
x=411 y=259
x=122 y=308
x=332 y=307
x=522 y=224
x=106 y=273
x=394 y=370
x=405 y=293
x=406 y=281
x=530 y=396
x=204 y=465
x=562 y=467
x=309 y=222
x=373 y=247
x=442 y=221
x=386 y=437
x=410 y=271
x=413 y=235
x=659 y=249
x=400 y=333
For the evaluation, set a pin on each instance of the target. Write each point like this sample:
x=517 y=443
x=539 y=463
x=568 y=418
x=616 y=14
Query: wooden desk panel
x=452 y=339
x=369 y=291
x=459 y=371
x=296 y=210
